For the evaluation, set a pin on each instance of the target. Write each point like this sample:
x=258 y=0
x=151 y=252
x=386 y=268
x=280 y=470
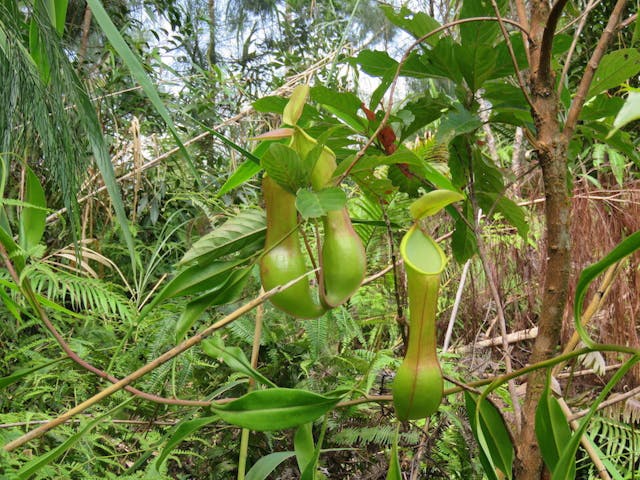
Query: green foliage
x=181 y=252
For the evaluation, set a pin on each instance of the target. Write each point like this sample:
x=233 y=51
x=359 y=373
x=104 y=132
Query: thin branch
x=513 y=337
x=628 y=21
x=592 y=65
x=574 y=42
x=456 y=305
x=621 y=397
x=593 y=4
x=493 y=288
x=512 y=54
x=524 y=21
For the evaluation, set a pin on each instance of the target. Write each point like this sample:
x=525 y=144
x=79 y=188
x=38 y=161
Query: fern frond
x=81 y=293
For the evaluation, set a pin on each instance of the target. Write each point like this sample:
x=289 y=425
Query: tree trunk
x=551 y=149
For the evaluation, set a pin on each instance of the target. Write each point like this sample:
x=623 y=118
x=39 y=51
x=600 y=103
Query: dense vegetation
x=456 y=183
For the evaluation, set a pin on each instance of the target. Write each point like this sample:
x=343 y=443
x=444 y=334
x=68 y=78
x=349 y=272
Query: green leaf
x=137 y=70
x=385 y=83
x=375 y=63
x=618 y=164
x=440 y=61
x=286 y=167
x=463 y=241
x=313 y=204
x=394 y=472
x=295 y=105
x=276 y=409
x=227 y=293
x=614 y=69
x=270 y=104
x=11 y=306
x=304 y=446
x=629 y=112
x=246 y=229
x=480 y=33
x=266 y=465
x=193 y=280
x=425 y=110
x=622 y=250
x=33 y=216
x=489 y=429
x=179 y=433
x=60 y=9
x=16 y=376
x=432 y=202
x=246 y=170
x=512 y=213
x=235 y=358
x=477 y=63
x=370 y=162
x=343 y=105
x=457 y=122
x=417 y=24
x=552 y=429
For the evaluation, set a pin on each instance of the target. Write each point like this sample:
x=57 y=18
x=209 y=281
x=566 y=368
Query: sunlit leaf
x=629 y=112
x=295 y=105
x=432 y=202
x=614 y=69
x=33 y=216
x=245 y=229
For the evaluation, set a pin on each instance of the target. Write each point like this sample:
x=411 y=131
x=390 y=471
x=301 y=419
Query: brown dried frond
x=602 y=218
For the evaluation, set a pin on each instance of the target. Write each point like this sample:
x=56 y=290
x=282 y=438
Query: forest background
x=131 y=218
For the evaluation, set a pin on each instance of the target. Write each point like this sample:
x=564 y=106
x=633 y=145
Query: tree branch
x=544 y=64
x=574 y=42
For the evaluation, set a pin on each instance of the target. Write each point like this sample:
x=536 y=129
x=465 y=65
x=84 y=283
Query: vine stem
x=165 y=357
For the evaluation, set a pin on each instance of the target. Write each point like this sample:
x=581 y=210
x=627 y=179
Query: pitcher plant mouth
x=421 y=253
